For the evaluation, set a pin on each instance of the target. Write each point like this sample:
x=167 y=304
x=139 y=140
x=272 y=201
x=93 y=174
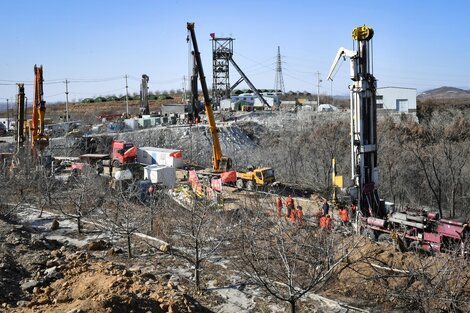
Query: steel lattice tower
x=279 y=80
x=222 y=51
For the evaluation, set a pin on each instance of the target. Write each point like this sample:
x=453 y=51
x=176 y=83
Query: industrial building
x=397 y=99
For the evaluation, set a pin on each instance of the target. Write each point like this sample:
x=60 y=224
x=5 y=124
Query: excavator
x=39 y=140
x=250 y=179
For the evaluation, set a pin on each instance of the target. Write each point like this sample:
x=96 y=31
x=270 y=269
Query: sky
x=94 y=44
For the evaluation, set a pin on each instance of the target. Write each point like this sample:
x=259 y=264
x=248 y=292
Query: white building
x=249 y=98
x=397 y=99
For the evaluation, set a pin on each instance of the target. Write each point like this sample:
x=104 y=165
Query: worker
x=279 y=206
x=322 y=221
x=344 y=215
x=289 y=206
x=328 y=222
x=300 y=215
x=326 y=208
x=353 y=208
x=293 y=216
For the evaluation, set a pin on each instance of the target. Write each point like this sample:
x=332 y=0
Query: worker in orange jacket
x=328 y=222
x=292 y=216
x=344 y=215
x=300 y=215
x=289 y=206
x=322 y=221
x=279 y=206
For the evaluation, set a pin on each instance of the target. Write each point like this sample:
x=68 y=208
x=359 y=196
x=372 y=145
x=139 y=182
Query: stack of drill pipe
x=407 y=219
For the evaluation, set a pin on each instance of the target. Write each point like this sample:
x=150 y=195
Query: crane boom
x=219 y=162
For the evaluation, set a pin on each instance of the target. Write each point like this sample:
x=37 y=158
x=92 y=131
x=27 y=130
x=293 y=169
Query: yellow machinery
x=220 y=163
x=39 y=140
x=257 y=177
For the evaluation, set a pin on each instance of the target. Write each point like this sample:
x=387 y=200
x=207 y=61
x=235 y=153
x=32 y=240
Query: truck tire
x=369 y=233
x=250 y=185
x=384 y=237
x=239 y=183
x=116 y=163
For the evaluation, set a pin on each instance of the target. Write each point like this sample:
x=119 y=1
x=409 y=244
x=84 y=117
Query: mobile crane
x=220 y=163
x=417 y=229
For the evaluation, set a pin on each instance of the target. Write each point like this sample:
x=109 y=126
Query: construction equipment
x=20 y=137
x=377 y=219
x=258 y=177
x=220 y=163
x=365 y=172
x=144 y=96
x=39 y=140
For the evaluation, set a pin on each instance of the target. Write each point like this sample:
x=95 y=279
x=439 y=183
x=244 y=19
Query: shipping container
x=164 y=175
x=160 y=156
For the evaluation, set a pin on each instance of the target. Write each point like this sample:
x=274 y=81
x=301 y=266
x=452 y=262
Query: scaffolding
x=222 y=51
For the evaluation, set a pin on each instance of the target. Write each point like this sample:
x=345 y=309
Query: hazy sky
x=419 y=44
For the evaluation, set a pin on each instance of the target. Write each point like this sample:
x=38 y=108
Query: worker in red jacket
x=322 y=221
x=279 y=206
x=300 y=215
x=344 y=215
x=328 y=222
x=289 y=206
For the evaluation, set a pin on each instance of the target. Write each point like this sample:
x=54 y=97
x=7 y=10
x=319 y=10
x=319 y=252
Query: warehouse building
x=397 y=99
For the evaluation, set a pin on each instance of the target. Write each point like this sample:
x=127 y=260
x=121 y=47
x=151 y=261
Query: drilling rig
x=364 y=168
x=144 y=96
x=416 y=229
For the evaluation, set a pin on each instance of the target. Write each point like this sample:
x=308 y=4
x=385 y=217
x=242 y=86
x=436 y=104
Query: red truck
x=123 y=152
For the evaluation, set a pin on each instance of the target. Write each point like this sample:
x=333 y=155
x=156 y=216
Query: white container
x=123 y=175
x=132 y=123
x=160 y=156
x=158 y=174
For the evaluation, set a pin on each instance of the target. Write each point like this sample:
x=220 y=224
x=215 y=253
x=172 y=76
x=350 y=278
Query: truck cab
x=256 y=177
x=123 y=152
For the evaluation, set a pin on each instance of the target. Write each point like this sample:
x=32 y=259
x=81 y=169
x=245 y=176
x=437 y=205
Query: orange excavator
x=39 y=140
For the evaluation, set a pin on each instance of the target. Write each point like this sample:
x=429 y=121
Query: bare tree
x=125 y=212
x=86 y=193
x=288 y=261
x=197 y=231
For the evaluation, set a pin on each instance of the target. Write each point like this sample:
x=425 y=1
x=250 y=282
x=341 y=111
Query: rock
x=48 y=290
x=36 y=290
x=56 y=253
x=30 y=284
x=99 y=245
x=148 y=276
x=22 y=303
x=76 y=310
x=165 y=247
x=164 y=306
x=52 y=263
x=52 y=273
x=62 y=298
x=55 y=224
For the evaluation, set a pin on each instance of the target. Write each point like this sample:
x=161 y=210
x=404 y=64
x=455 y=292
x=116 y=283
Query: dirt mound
x=44 y=276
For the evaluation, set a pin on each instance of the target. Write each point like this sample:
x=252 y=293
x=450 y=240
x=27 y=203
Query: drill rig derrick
x=364 y=167
x=144 y=96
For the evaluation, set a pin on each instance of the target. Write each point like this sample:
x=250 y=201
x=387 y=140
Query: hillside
x=445 y=93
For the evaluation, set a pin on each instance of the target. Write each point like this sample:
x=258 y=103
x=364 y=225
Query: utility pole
x=318 y=88
x=127 y=97
x=66 y=100
x=8 y=116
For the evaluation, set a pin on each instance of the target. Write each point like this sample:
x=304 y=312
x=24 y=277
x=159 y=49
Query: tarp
x=229 y=177
x=216 y=184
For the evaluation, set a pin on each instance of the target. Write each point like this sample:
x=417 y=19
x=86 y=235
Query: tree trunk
x=292 y=306
x=79 y=225
x=129 y=252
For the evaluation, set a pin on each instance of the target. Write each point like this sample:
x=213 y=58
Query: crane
x=364 y=167
x=39 y=140
x=220 y=163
